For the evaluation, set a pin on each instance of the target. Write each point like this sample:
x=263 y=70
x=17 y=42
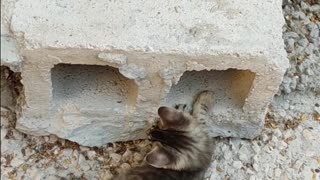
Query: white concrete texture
x=96 y=71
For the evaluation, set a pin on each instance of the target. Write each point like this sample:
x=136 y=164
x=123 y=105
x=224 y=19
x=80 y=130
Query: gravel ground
x=288 y=147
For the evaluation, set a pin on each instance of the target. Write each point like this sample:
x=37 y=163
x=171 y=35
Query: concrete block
x=9 y=54
x=11 y=87
x=96 y=71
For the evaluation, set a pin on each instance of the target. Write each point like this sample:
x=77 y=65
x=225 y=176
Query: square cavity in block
x=231 y=88
x=92 y=87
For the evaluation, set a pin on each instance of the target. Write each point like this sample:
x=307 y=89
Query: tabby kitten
x=183 y=148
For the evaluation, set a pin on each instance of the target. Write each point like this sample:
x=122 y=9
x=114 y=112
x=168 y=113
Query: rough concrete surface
x=149 y=51
x=287 y=148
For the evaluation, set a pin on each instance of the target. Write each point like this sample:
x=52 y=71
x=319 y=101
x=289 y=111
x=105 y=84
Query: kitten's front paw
x=206 y=97
x=203 y=103
x=182 y=107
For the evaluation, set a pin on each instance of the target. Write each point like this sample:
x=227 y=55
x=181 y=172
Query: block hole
x=12 y=95
x=92 y=87
x=231 y=88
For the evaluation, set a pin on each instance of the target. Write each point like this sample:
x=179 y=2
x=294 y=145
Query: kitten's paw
x=182 y=107
x=203 y=102
x=206 y=97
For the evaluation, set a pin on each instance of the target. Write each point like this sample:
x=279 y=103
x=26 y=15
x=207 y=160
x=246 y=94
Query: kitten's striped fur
x=183 y=150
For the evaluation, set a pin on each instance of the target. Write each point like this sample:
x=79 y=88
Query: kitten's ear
x=158 y=158
x=169 y=115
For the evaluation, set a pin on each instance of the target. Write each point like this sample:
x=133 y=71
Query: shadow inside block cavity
x=92 y=87
x=231 y=88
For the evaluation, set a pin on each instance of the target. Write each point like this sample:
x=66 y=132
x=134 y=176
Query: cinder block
x=11 y=87
x=96 y=71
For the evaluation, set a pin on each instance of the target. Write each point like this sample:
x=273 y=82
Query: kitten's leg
x=203 y=105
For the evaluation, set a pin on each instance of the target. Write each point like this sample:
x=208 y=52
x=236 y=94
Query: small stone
x=243 y=157
x=137 y=157
x=249 y=171
x=127 y=155
x=75 y=154
x=307 y=135
x=125 y=166
x=277 y=133
x=256 y=167
x=106 y=175
x=227 y=155
x=304 y=5
x=255 y=147
x=15 y=162
x=91 y=154
x=237 y=164
x=252 y=178
x=56 y=150
x=297 y=165
x=46 y=138
x=268 y=149
x=101 y=159
x=29 y=152
x=67 y=152
x=277 y=172
x=265 y=137
x=84 y=149
x=284 y=176
x=83 y=163
x=283 y=145
x=63 y=142
x=115 y=159
x=274 y=141
x=290 y=34
x=287 y=134
x=315 y=8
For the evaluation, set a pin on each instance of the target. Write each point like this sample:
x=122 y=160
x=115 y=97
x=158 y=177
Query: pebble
x=291 y=34
x=274 y=141
x=91 y=154
x=46 y=138
x=265 y=137
x=106 y=175
x=277 y=133
x=137 y=157
x=237 y=164
x=256 y=167
x=125 y=166
x=83 y=163
x=307 y=135
x=268 y=148
x=297 y=165
x=277 y=172
x=283 y=145
x=67 y=152
x=249 y=171
x=15 y=162
x=127 y=155
x=288 y=133
x=84 y=149
x=115 y=159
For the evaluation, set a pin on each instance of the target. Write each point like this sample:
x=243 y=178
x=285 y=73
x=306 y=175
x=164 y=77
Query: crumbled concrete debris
x=118 y=59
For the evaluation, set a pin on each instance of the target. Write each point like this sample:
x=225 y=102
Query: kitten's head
x=182 y=141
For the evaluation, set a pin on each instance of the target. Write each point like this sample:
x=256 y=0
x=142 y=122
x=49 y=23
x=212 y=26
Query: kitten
x=183 y=148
